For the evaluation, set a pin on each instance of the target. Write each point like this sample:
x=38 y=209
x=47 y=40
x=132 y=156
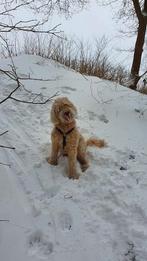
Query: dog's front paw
x=84 y=167
x=52 y=161
x=73 y=176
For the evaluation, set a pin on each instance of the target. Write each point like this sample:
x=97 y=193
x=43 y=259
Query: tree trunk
x=138 y=47
x=137 y=56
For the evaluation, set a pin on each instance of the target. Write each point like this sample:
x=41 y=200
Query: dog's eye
x=57 y=110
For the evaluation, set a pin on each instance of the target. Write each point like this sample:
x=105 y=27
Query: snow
x=103 y=215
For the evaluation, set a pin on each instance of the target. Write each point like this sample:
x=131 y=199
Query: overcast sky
x=94 y=22
x=97 y=21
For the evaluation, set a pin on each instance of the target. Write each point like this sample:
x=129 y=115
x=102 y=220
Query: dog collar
x=64 y=135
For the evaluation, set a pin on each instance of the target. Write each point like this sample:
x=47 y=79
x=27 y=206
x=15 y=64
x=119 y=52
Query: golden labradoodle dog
x=66 y=138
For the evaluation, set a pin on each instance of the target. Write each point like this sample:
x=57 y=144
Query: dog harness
x=64 y=135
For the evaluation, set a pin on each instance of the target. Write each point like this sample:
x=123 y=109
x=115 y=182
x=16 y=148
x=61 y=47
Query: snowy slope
x=103 y=215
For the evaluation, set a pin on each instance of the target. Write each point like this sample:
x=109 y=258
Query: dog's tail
x=93 y=142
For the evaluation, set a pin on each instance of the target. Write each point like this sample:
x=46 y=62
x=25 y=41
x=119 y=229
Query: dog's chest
x=66 y=140
x=64 y=146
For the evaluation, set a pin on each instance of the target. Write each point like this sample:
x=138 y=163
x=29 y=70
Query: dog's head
x=63 y=111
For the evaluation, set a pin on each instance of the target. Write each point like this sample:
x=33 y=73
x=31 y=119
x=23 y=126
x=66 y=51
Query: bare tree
x=133 y=13
x=141 y=31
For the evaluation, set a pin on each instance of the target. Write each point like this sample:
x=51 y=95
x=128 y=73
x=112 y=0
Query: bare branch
x=3 y=133
x=33 y=28
x=36 y=79
x=66 y=7
x=7 y=73
x=7 y=11
x=143 y=74
x=14 y=76
x=11 y=93
x=19 y=84
x=33 y=101
x=7 y=147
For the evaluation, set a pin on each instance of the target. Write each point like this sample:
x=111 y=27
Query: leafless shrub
x=144 y=90
x=143 y=85
x=81 y=56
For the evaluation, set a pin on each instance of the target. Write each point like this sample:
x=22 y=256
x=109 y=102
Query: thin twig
x=10 y=94
x=13 y=224
x=32 y=102
x=30 y=28
x=143 y=74
x=7 y=12
x=7 y=147
x=36 y=79
x=3 y=133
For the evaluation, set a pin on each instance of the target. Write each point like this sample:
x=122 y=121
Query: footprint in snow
x=103 y=118
x=68 y=88
x=53 y=191
x=65 y=221
x=39 y=245
x=94 y=116
x=37 y=165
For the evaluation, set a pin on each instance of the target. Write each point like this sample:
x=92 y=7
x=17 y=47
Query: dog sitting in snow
x=66 y=138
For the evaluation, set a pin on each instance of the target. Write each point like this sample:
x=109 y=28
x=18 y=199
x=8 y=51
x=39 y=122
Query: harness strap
x=64 y=135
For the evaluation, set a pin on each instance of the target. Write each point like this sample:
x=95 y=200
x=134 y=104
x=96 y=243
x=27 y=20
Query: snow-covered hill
x=44 y=215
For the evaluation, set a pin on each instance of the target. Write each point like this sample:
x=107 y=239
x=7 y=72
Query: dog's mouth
x=67 y=115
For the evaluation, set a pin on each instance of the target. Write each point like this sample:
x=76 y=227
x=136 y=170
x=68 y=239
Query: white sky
x=94 y=22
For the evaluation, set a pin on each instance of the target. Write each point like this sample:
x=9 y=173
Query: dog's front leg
x=53 y=159
x=72 y=157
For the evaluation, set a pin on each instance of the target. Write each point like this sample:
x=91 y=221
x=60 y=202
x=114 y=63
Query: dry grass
x=143 y=90
x=78 y=55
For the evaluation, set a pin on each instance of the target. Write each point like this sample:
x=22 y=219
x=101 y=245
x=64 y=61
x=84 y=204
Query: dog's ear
x=54 y=112
x=75 y=109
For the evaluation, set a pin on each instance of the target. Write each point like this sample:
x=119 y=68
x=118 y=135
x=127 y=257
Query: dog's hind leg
x=72 y=158
x=81 y=154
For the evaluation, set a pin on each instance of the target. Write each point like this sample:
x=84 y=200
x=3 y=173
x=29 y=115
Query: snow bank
x=44 y=215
